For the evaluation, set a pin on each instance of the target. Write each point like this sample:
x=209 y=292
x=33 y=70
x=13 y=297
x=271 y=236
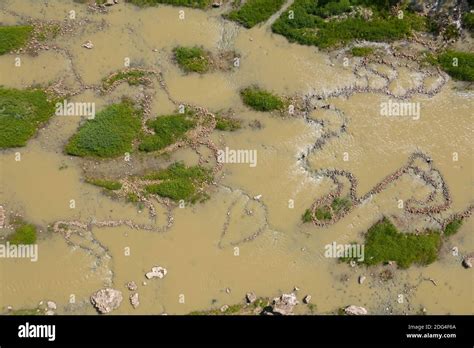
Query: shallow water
x=201 y=261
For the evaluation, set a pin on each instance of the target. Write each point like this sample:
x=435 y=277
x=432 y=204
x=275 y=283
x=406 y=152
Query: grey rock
x=106 y=300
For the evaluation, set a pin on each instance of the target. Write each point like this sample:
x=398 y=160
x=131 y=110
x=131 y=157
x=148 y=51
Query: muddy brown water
x=201 y=261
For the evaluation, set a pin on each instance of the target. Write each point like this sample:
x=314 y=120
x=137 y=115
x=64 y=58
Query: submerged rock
x=106 y=300
x=284 y=304
x=355 y=310
x=132 y=286
x=157 y=272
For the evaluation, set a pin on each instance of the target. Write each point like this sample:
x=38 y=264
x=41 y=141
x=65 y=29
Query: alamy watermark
x=350 y=251
x=237 y=156
x=21 y=251
x=66 y=108
x=400 y=109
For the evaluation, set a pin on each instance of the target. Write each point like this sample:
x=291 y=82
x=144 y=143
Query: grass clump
x=192 y=59
x=21 y=113
x=25 y=233
x=227 y=124
x=134 y=77
x=14 y=37
x=362 y=51
x=109 y=134
x=168 y=130
x=383 y=243
x=26 y=311
x=307 y=216
x=453 y=227
x=107 y=184
x=253 y=12
x=179 y=182
x=132 y=197
x=261 y=100
x=323 y=213
x=312 y=25
x=185 y=3
x=460 y=65
x=340 y=205
x=468 y=21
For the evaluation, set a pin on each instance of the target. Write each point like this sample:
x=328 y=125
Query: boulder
x=284 y=304
x=224 y=308
x=51 y=305
x=468 y=260
x=251 y=297
x=355 y=310
x=134 y=300
x=88 y=44
x=307 y=299
x=362 y=279
x=156 y=272
x=106 y=300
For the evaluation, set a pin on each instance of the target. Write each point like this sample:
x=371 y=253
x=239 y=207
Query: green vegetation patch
x=307 y=216
x=468 y=21
x=109 y=134
x=340 y=205
x=362 y=51
x=168 y=130
x=179 y=182
x=227 y=124
x=453 y=227
x=107 y=184
x=261 y=100
x=310 y=23
x=384 y=243
x=185 y=3
x=22 y=112
x=253 y=12
x=25 y=233
x=460 y=65
x=14 y=37
x=26 y=311
x=323 y=213
x=192 y=59
x=134 y=77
